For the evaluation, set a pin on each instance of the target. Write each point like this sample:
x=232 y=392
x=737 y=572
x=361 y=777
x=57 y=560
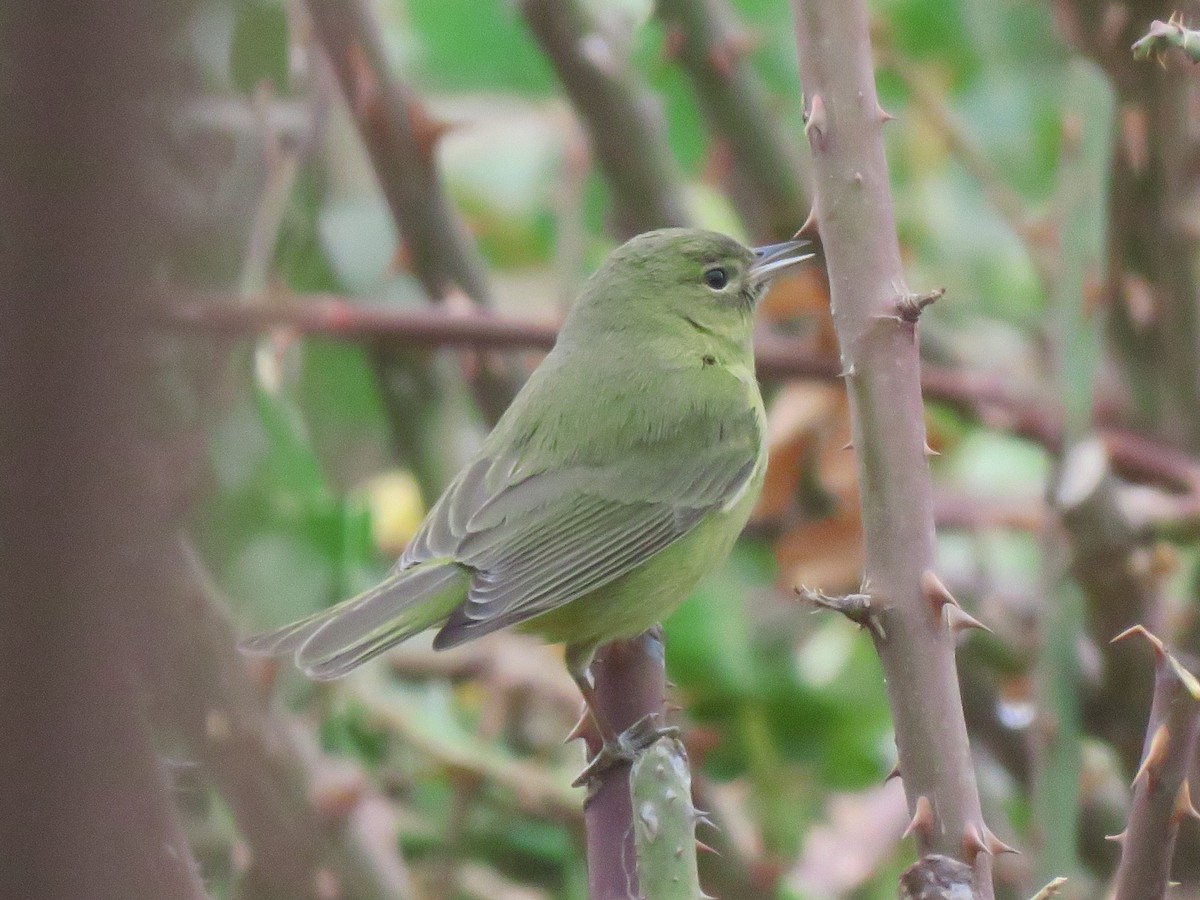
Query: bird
x=619 y=476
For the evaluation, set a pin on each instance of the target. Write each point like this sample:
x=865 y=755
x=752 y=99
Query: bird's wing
x=537 y=541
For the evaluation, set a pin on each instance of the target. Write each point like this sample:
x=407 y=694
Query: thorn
x=1159 y=650
x=1184 y=808
x=929 y=451
x=847 y=373
x=921 y=823
x=959 y=620
x=809 y=228
x=936 y=592
x=909 y=306
x=973 y=844
x=1156 y=755
x=996 y=846
x=883 y=114
x=427 y=129
x=705 y=848
x=1051 y=889
x=814 y=123
x=703 y=819
x=581 y=729
x=849 y=445
x=1118 y=838
x=894 y=773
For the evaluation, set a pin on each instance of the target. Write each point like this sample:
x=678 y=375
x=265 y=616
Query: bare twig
x=628 y=143
x=981 y=396
x=853 y=212
x=768 y=165
x=1161 y=798
x=400 y=136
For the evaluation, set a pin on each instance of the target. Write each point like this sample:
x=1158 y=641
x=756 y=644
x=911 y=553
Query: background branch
x=623 y=131
x=1161 y=797
x=268 y=777
x=400 y=137
x=768 y=167
x=89 y=810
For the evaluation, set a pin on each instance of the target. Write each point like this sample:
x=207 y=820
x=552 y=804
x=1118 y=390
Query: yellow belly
x=643 y=597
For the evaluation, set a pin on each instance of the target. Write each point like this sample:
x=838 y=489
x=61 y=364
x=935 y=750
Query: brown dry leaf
x=858 y=836
x=826 y=553
x=799 y=414
x=807 y=422
x=803 y=295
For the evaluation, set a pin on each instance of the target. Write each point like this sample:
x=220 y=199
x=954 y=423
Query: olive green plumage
x=622 y=472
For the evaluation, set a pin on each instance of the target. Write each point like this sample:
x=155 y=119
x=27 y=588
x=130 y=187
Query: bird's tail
x=330 y=643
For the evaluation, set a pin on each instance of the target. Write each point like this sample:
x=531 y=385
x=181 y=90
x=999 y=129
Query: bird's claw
x=624 y=749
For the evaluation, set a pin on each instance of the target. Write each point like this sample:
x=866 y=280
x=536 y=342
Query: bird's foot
x=624 y=748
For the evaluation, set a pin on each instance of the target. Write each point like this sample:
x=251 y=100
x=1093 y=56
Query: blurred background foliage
x=315 y=482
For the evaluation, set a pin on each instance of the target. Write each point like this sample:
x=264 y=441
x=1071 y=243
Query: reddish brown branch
x=633 y=675
x=980 y=396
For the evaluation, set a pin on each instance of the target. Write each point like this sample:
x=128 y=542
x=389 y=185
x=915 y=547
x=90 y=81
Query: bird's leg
x=615 y=748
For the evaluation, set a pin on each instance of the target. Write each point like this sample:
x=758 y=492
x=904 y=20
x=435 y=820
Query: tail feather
x=330 y=643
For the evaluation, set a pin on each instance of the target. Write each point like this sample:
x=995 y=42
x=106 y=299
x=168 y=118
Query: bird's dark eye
x=716 y=277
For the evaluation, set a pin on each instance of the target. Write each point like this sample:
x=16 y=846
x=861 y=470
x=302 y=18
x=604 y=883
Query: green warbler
x=620 y=475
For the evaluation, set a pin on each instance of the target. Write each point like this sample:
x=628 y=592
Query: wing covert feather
x=539 y=530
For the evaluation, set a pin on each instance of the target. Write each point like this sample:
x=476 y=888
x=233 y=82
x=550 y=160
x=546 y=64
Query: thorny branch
x=1161 y=796
x=853 y=213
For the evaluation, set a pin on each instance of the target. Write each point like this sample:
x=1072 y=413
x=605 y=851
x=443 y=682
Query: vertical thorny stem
x=878 y=344
x=630 y=683
x=1161 y=796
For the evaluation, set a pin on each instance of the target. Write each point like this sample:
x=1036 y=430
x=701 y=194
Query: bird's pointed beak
x=774 y=258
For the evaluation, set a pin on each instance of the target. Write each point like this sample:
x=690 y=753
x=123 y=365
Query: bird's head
x=680 y=279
